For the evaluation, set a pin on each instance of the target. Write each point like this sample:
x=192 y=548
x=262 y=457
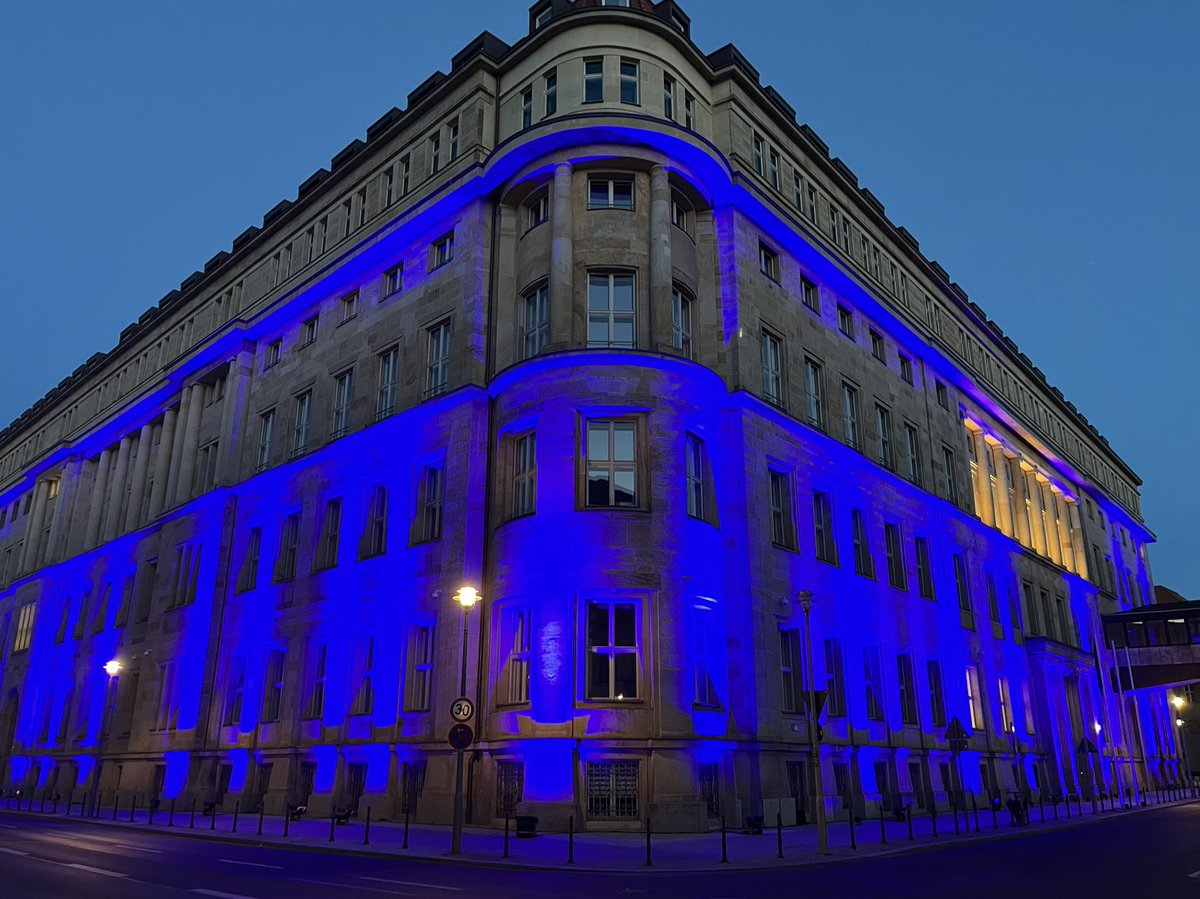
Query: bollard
x=779 y=833
x=237 y=803
x=995 y=826
x=908 y=817
x=332 y=822
x=975 y=812
x=955 y=810
x=132 y=808
x=1094 y=810
x=571 y=840
x=505 y=833
x=212 y=820
x=262 y=810
x=287 y=816
x=724 y=844
x=1078 y=805
x=114 y=806
x=933 y=816
x=882 y=827
x=1068 y=805
x=70 y=802
x=150 y=810
x=1054 y=805
x=192 y=818
x=405 y=846
x=1042 y=808
x=649 y=862
x=42 y=804
x=367 y=831
x=54 y=805
x=853 y=835
x=171 y=815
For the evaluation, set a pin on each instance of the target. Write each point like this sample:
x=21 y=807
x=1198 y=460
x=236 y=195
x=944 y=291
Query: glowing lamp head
x=1179 y=722
x=805 y=598
x=112 y=667
x=467 y=597
x=1177 y=701
x=1097 y=726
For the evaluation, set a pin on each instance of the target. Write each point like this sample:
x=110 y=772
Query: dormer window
x=542 y=16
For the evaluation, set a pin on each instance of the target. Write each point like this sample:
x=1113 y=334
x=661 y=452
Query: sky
x=1043 y=151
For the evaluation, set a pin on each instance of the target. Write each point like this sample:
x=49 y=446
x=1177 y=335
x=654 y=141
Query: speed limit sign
x=462 y=709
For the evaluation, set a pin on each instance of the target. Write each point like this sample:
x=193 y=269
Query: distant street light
x=465 y=597
x=112 y=667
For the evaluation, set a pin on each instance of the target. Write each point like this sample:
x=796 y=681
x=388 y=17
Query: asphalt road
x=1153 y=854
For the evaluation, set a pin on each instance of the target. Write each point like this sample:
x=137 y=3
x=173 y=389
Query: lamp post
x=805 y=598
x=112 y=668
x=1177 y=701
x=465 y=597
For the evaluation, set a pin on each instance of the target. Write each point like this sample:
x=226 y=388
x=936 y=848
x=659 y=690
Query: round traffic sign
x=461 y=736
x=462 y=709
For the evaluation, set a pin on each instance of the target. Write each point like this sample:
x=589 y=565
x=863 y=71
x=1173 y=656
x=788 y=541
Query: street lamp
x=465 y=597
x=805 y=598
x=1178 y=702
x=112 y=668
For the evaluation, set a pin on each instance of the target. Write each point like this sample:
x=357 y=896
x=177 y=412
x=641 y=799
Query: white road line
x=138 y=848
x=221 y=895
x=12 y=851
x=410 y=883
x=1195 y=874
x=350 y=886
x=92 y=870
x=9 y=826
x=234 y=861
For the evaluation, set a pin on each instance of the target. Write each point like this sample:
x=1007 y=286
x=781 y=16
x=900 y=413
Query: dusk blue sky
x=1045 y=152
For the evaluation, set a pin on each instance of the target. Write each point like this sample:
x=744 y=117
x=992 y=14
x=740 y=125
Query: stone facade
x=594 y=326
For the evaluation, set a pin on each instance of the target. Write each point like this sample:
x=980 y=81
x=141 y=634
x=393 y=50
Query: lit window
x=23 y=637
x=613 y=655
x=611 y=311
x=974 y=700
x=437 y=365
x=535 y=324
x=610 y=193
x=611 y=463
x=593 y=80
x=681 y=322
x=629 y=82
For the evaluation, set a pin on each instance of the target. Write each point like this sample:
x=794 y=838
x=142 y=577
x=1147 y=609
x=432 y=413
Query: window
x=435 y=153
x=772 y=364
x=681 y=213
x=273 y=686
x=864 y=564
x=669 y=96
x=302 y=417
x=1006 y=711
x=430 y=500
x=961 y=585
x=610 y=193
x=908 y=688
x=878 y=349
x=537 y=209
x=906 y=369
x=543 y=16
x=593 y=80
x=629 y=82
x=949 y=475
x=759 y=155
x=524 y=484
x=611 y=310
x=550 y=92
x=514 y=635
x=791 y=678
x=187 y=573
x=611 y=463
x=810 y=295
x=845 y=321
x=681 y=322
x=613 y=655
x=974 y=700
x=289 y=540
x=442 y=251
x=706 y=637
x=924 y=567
x=385 y=397
x=872 y=683
x=937 y=693
x=835 y=678
x=694 y=452
x=1027 y=702
x=388 y=186
x=826 y=546
x=912 y=454
x=420 y=667
x=273 y=354
x=393 y=280
x=811 y=212
x=993 y=599
x=453 y=141
x=768 y=262
x=689 y=111
x=361 y=686
x=883 y=437
x=347 y=218
x=405 y=171
x=612 y=790
x=248 y=577
x=527 y=107
x=535 y=325
x=437 y=366
x=349 y=306
x=234 y=691
x=23 y=636
x=897 y=576
x=783 y=525
x=943 y=398
x=326 y=555
x=308 y=331
x=814 y=399
x=375 y=533
x=343 y=396
x=773 y=169
x=850 y=430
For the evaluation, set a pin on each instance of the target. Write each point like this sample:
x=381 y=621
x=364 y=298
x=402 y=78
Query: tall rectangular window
x=845 y=321
x=864 y=564
x=937 y=693
x=330 y=534
x=993 y=599
x=694 y=452
x=524 y=485
x=550 y=92
x=783 y=526
x=611 y=462
x=768 y=262
x=273 y=685
x=790 y=674
x=809 y=294
x=760 y=155
x=908 y=688
x=273 y=353
x=266 y=436
x=308 y=331
x=906 y=369
x=431 y=499
x=1006 y=710
x=420 y=667
x=302 y=418
x=360 y=200
x=814 y=394
x=706 y=637
x=435 y=153
x=535 y=325
x=681 y=322
x=453 y=141
x=375 y=532
x=912 y=454
x=437 y=365
x=629 y=82
x=387 y=185
x=385 y=396
x=527 y=107
x=823 y=537
x=873 y=683
x=949 y=475
x=924 y=567
x=689 y=111
x=835 y=678
x=897 y=576
x=362 y=690
x=610 y=193
x=248 y=577
x=315 y=706
x=668 y=96
x=613 y=660
x=771 y=347
x=289 y=541
x=773 y=169
x=611 y=310
x=850 y=428
x=974 y=700
x=405 y=173
x=23 y=636
x=961 y=584
x=343 y=395
x=883 y=437
x=347 y=216
x=593 y=80
x=393 y=280
x=514 y=635
x=441 y=251
x=349 y=306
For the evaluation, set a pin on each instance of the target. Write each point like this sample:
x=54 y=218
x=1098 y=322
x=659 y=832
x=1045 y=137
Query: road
x=1150 y=854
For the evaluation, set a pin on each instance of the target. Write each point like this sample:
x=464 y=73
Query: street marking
x=138 y=848
x=234 y=861
x=1195 y=874
x=9 y=826
x=12 y=851
x=412 y=883
x=221 y=895
x=350 y=886
x=92 y=870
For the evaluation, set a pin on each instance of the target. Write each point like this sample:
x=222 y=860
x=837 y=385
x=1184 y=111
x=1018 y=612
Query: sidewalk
x=608 y=852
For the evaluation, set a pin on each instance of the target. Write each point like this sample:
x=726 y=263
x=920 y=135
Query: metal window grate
x=510 y=787
x=710 y=791
x=612 y=790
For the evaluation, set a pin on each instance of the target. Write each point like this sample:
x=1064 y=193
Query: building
x=595 y=326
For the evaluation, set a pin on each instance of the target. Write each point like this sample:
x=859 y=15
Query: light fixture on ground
x=465 y=597
x=805 y=598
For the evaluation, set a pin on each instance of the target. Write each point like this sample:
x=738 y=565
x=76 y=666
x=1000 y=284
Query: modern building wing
x=593 y=325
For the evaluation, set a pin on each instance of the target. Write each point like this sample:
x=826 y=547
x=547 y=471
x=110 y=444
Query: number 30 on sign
x=462 y=709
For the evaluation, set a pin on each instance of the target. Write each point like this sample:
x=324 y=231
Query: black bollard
x=995 y=826
x=262 y=810
x=114 y=807
x=1042 y=808
x=332 y=822
x=367 y=831
x=212 y=819
x=171 y=815
x=133 y=808
x=571 y=840
x=724 y=844
x=150 y=809
x=933 y=817
x=882 y=827
x=779 y=833
x=955 y=810
x=505 y=833
x=54 y=804
x=853 y=835
x=1068 y=805
x=649 y=861
x=975 y=812
x=287 y=816
x=70 y=802
x=237 y=803
x=908 y=818
x=405 y=846
x=192 y=817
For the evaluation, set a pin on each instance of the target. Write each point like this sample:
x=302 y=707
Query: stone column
x=661 y=282
x=185 y=406
x=1034 y=491
x=1053 y=550
x=187 y=455
x=1081 y=559
x=233 y=416
x=68 y=489
x=33 y=531
x=141 y=465
x=162 y=462
x=562 y=260
x=1064 y=530
x=979 y=478
x=112 y=517
x=1024 y=514
x=998 y=487
x=96 y=503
